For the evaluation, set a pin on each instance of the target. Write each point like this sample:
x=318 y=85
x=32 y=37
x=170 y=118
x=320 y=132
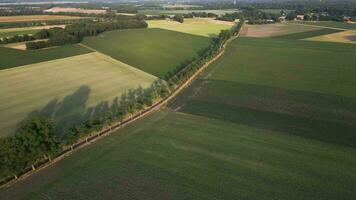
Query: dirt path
x=105 y=132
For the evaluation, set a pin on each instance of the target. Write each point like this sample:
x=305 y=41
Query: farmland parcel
x=197 y=26
x=266 y=121
x=155 y=51
x=68 y=89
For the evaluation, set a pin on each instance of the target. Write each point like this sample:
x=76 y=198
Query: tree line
x=74 y=33
x=36 y=139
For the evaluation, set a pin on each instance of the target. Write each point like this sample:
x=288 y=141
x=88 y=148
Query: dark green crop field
x=178 y=156
x=155 y=51
x=308 y=34
x=13 y=57
x=296 y=87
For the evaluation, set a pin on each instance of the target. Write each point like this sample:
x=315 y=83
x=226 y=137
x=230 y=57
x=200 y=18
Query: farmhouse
x=282 y=18
x=300 y=17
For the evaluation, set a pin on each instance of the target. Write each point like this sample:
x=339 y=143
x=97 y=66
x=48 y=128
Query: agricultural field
x=174 y=12
x=273 y=30
x=343 y=37
x=197 y=26
x=329 y=24
x=14 y=57
x=68 y=89
x=27 y=30
x=29 y=18
x=307 y=91
x=8 y=33
x=310 y=34
x=156 y=51
x=181 y=156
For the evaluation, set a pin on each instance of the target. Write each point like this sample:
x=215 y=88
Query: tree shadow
x=73 y=110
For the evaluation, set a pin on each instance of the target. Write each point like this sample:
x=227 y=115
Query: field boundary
x=318 y=26
x=160 y=104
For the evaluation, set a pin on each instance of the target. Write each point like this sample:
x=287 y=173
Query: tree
x=178 y=18
x=36 y=137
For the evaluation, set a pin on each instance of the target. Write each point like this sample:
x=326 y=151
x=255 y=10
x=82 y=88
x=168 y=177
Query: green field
x=173 y=12
x=197 y=26
x=309 y=34
x=7 y=33
x=331 y=24
x=179 y=156
x=69 y=89
x=297 y=87
x=155 y=51
x=13 y=57
x=271 y=119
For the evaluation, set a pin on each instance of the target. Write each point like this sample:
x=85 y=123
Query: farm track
x=94 y=137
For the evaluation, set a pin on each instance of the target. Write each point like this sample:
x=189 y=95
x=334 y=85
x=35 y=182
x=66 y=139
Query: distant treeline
x=42 y=23
x=74 y=33
x=17 y=38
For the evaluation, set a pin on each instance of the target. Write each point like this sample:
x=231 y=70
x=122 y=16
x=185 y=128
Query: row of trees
x=16 y=38
x=75 y=32
x=36 y=139
x=183 y=73
x=254 y=16
x=43 y=23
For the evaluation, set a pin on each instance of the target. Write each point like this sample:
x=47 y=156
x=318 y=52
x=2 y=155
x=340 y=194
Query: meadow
x=197 y=26
x=68 y=89
x=14 y=57
x=307 y=90
x=7 y=33
x=180 y=156
x=156 y=51
x=29 y=18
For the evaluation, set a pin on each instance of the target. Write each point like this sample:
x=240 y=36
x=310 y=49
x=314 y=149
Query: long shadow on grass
x=327 y=118
x=73 y=109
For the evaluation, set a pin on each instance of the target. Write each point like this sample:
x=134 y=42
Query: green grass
x=196 y=26
x=309 y=34
x=69 y=89
x=13 y=57
x=155 y=51
x=7 y=33
x=296 y=87
x=331 y=24
x=179 y=156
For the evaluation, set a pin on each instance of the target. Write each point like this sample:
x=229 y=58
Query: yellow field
x=27 y=18
x=197 y=26
x=64 y=87
x=343 y=37
x=272 y=30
